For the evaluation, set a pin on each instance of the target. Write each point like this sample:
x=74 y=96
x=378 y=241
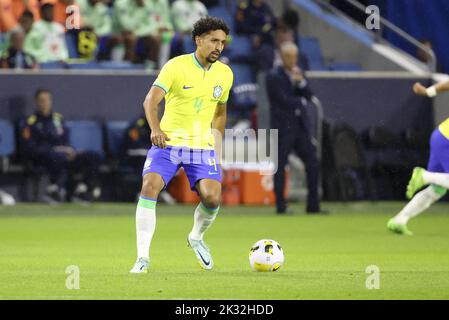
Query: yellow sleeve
x=225 y=96
x=166 y=77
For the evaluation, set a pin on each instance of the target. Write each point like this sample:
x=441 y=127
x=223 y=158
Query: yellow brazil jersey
x=444 y=128
x=192 y=95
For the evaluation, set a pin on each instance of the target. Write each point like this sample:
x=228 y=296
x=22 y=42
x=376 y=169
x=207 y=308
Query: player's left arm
x=218 y=126
x=432 y=91
x=219 y=120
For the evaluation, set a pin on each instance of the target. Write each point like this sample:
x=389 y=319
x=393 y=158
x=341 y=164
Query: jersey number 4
x=198 y=104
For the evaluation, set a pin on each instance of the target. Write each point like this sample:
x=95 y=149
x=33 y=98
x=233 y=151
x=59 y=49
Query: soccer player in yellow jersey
x=195 y=87
x=436 y=176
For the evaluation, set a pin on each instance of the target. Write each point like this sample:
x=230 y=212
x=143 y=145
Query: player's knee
x=151 y=187
x=211 y=199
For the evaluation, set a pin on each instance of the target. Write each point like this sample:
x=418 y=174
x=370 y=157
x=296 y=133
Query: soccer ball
x=266 y=255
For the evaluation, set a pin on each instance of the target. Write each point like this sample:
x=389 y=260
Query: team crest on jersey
x=218 y=90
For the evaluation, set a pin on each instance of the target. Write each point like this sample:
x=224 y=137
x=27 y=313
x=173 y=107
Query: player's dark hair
x=207 y=24
x=40 y=91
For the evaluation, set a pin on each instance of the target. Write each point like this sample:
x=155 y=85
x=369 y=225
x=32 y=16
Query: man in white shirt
x=46 y=40
x=185 y=13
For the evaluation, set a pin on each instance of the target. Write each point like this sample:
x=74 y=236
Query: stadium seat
x=90 y=65
x=243 y=74
x=223 y=13
x=85 y=135
x=189 y=46
x=120 y=65
x=105 y=65
x=245 y=88
x=310 y=46
x=115 y=132
x=52 y=65
x=239 y=46
x=7 y=141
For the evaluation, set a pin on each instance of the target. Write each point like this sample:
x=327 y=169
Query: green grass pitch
x=326 y=256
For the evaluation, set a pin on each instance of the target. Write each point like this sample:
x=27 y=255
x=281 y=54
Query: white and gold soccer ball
x=266 y=255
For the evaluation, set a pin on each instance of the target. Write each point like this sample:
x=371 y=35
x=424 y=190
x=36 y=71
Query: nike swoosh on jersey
x=187 y=87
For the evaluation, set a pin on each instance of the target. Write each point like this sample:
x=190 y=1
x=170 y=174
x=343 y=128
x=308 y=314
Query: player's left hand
x=419 y=89
x=158 y=138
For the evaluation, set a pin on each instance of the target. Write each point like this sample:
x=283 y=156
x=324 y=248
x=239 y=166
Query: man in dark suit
x=286 y=88
x=45 y=142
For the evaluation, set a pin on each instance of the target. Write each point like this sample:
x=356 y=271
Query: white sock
x=145 y=225
x=420 y=202
x=440 y=179
x=202 y=219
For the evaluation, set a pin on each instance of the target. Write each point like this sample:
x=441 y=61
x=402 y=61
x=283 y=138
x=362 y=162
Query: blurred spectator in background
x=7 y=19
x=60 y=13
x=163 y=27
x=26 y=21
x=140 y=36
x=290 y=19
x=46 y=39
x=14 y=57
x=20 y=6
x=287 y=89
x=45 y=140
x=283 y=35
x=95 y=18
x=184 y=15
x=268 y=56
x=426 y=58
x=255 y=18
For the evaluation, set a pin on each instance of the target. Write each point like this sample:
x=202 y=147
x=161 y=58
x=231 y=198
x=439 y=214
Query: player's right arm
x=432 y=91
x=151 y=107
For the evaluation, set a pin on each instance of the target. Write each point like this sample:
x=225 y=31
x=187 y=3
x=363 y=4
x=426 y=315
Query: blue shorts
x=439 y=153
x=197 y=163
